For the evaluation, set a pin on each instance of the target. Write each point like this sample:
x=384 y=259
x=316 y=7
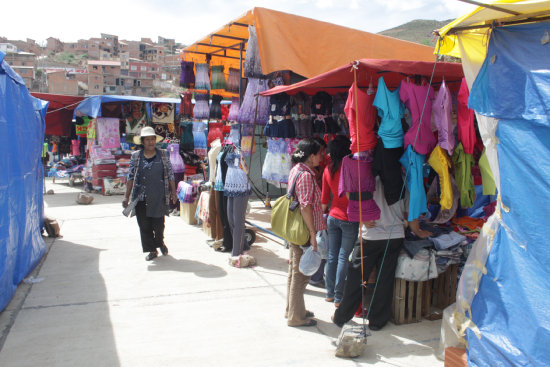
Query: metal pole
x=241 y=74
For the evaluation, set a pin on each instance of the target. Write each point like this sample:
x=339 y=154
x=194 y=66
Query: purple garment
x=248 y=107
x=234 y=109
x=442 y=109
x=414 y=96
x=349 y=182
x=187 y=74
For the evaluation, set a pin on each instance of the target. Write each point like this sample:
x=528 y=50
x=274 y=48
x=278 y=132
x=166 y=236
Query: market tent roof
x=292 y=42
x=393 y=71
x=60 y=112
x=91 y=106
x=476 y=26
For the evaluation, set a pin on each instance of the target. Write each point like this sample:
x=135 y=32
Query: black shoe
x=375 y=327
x=164 y=250
x=151 y=256
x=336 y=323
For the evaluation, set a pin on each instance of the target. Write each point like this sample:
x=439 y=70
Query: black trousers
x=151 y=229
x=373 y=252
x=227 y=235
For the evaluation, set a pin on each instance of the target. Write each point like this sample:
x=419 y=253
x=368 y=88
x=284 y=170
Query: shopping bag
x=310 y=262
x=322 y=243
x=286 y=218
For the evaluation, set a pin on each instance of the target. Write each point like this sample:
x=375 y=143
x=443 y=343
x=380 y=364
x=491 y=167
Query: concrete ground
x=99 y=303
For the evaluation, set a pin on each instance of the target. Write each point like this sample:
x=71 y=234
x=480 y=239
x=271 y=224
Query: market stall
x=502 y=304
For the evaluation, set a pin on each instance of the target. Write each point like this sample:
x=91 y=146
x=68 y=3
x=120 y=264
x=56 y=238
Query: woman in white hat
x=149 y=190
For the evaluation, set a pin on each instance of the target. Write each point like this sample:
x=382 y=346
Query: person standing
x=149 y=189
x=306 y=157
x=342 y=233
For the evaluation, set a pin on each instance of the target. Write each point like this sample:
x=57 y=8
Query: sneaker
x=151 y=256
x=164 y=250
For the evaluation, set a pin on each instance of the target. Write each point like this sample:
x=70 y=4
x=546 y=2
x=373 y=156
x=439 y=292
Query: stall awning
x=91 y=106
x=60 y=112
x=307 y=47
x=476 y=26
x=369 y=70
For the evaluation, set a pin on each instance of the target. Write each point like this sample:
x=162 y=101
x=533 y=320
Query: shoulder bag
x=286 y=218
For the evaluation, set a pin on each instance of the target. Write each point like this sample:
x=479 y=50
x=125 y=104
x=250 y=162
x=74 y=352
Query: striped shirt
x=307 y=192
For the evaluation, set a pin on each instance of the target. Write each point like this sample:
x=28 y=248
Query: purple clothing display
x=414 y=96
x=442 y=110
x=248 y=107
x=349 y=183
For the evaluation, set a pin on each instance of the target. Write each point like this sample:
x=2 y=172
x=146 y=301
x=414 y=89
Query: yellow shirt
x=440 y=162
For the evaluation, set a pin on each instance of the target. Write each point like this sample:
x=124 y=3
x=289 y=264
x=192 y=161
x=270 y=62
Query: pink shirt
x=442 y=109
x=465 y=116
x=413 y=96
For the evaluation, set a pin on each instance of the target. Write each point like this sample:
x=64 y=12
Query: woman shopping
x=149 y=189
x=306 y=157
x=342 y=233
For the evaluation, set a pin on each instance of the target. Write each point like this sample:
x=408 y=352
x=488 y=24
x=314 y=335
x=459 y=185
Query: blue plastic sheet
x=22 y=124
x=512 y=307
x=91 y=106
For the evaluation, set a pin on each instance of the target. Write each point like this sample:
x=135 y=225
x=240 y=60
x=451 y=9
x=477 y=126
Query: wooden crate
x=440 y=293
x=455 y=357
x=407 y=301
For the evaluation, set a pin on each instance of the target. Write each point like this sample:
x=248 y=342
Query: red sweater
x=339 y=205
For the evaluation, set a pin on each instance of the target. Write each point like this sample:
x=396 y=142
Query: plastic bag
x=322 y=243
x=310 y=261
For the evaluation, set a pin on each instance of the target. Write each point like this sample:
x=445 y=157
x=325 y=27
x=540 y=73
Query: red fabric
x=332 y=81
x=225 y=112
x=60 y=121
x=339 y=205
x=215 y=131
x=367 y=118
x=465 y=116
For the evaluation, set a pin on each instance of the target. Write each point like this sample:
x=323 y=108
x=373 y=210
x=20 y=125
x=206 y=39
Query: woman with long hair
x=305 y=158
x=342 y=234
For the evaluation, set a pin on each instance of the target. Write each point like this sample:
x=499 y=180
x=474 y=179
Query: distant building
x=61 y=82
x=54 y=45
x=24 y=63
x=103 y=77
x=8 y=47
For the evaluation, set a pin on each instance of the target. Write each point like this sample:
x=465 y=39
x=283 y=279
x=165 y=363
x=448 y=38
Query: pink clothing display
x=108 y=133
x=442 y=110
x=367 y=119
x=75 y=147
x=353 y=169
x=465 y=116
x=414 y=96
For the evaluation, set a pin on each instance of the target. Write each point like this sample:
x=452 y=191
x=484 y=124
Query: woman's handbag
x=286 y=218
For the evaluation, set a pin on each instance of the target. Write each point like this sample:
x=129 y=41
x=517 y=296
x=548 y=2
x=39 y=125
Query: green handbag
x=286 y=218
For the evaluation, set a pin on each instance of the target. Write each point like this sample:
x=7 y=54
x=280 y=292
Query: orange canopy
x=307 y=47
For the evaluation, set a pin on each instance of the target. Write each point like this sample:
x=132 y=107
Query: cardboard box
x=187 y=212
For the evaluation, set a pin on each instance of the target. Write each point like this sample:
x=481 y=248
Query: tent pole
x=241 y=74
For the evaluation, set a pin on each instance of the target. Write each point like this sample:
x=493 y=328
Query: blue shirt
x=391 y=110
x=413 y=162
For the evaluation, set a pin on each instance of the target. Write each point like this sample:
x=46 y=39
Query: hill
x=418 y=31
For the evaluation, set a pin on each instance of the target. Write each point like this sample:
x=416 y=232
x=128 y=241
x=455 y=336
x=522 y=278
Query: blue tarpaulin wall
x=512 y=307
x=22 y=124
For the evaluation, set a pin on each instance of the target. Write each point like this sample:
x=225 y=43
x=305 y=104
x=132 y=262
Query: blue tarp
x=91 y=106
x=512 y=307
x=22 y=124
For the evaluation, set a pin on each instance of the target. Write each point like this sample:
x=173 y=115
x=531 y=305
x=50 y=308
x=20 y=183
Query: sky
x=188 y=21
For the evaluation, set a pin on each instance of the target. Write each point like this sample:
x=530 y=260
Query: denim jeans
x=342 y=236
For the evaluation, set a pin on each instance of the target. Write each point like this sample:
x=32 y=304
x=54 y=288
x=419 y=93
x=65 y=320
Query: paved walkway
x=101 y=304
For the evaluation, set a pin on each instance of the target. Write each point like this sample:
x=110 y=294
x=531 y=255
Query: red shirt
x=339 y=206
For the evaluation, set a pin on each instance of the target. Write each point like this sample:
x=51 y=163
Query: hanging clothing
x=434 y=192
x=367 y=118
x=252 y=64
x=338 y=112
x=414 y=96
x=234 y=109
x=351 y=170
x=236 y=180
x=465 y=117
x=442 y=111
x=277 y=163
x=222 y=167
x=248 y=112
x=187 y=140
x=300 y=111
x=199 y=138
x=488 y=181
x=391 y=110
x=386 y=165
x=202 y=79
x=236 y=212
x=216 y=108
x=175 y=158
x=233 y=80
x=218 y=77
x=215 y=131
x=201 y=111
x=413 y=162
x=441 y=163
x=187 y=74
x=186 y=106
x=463 y=174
